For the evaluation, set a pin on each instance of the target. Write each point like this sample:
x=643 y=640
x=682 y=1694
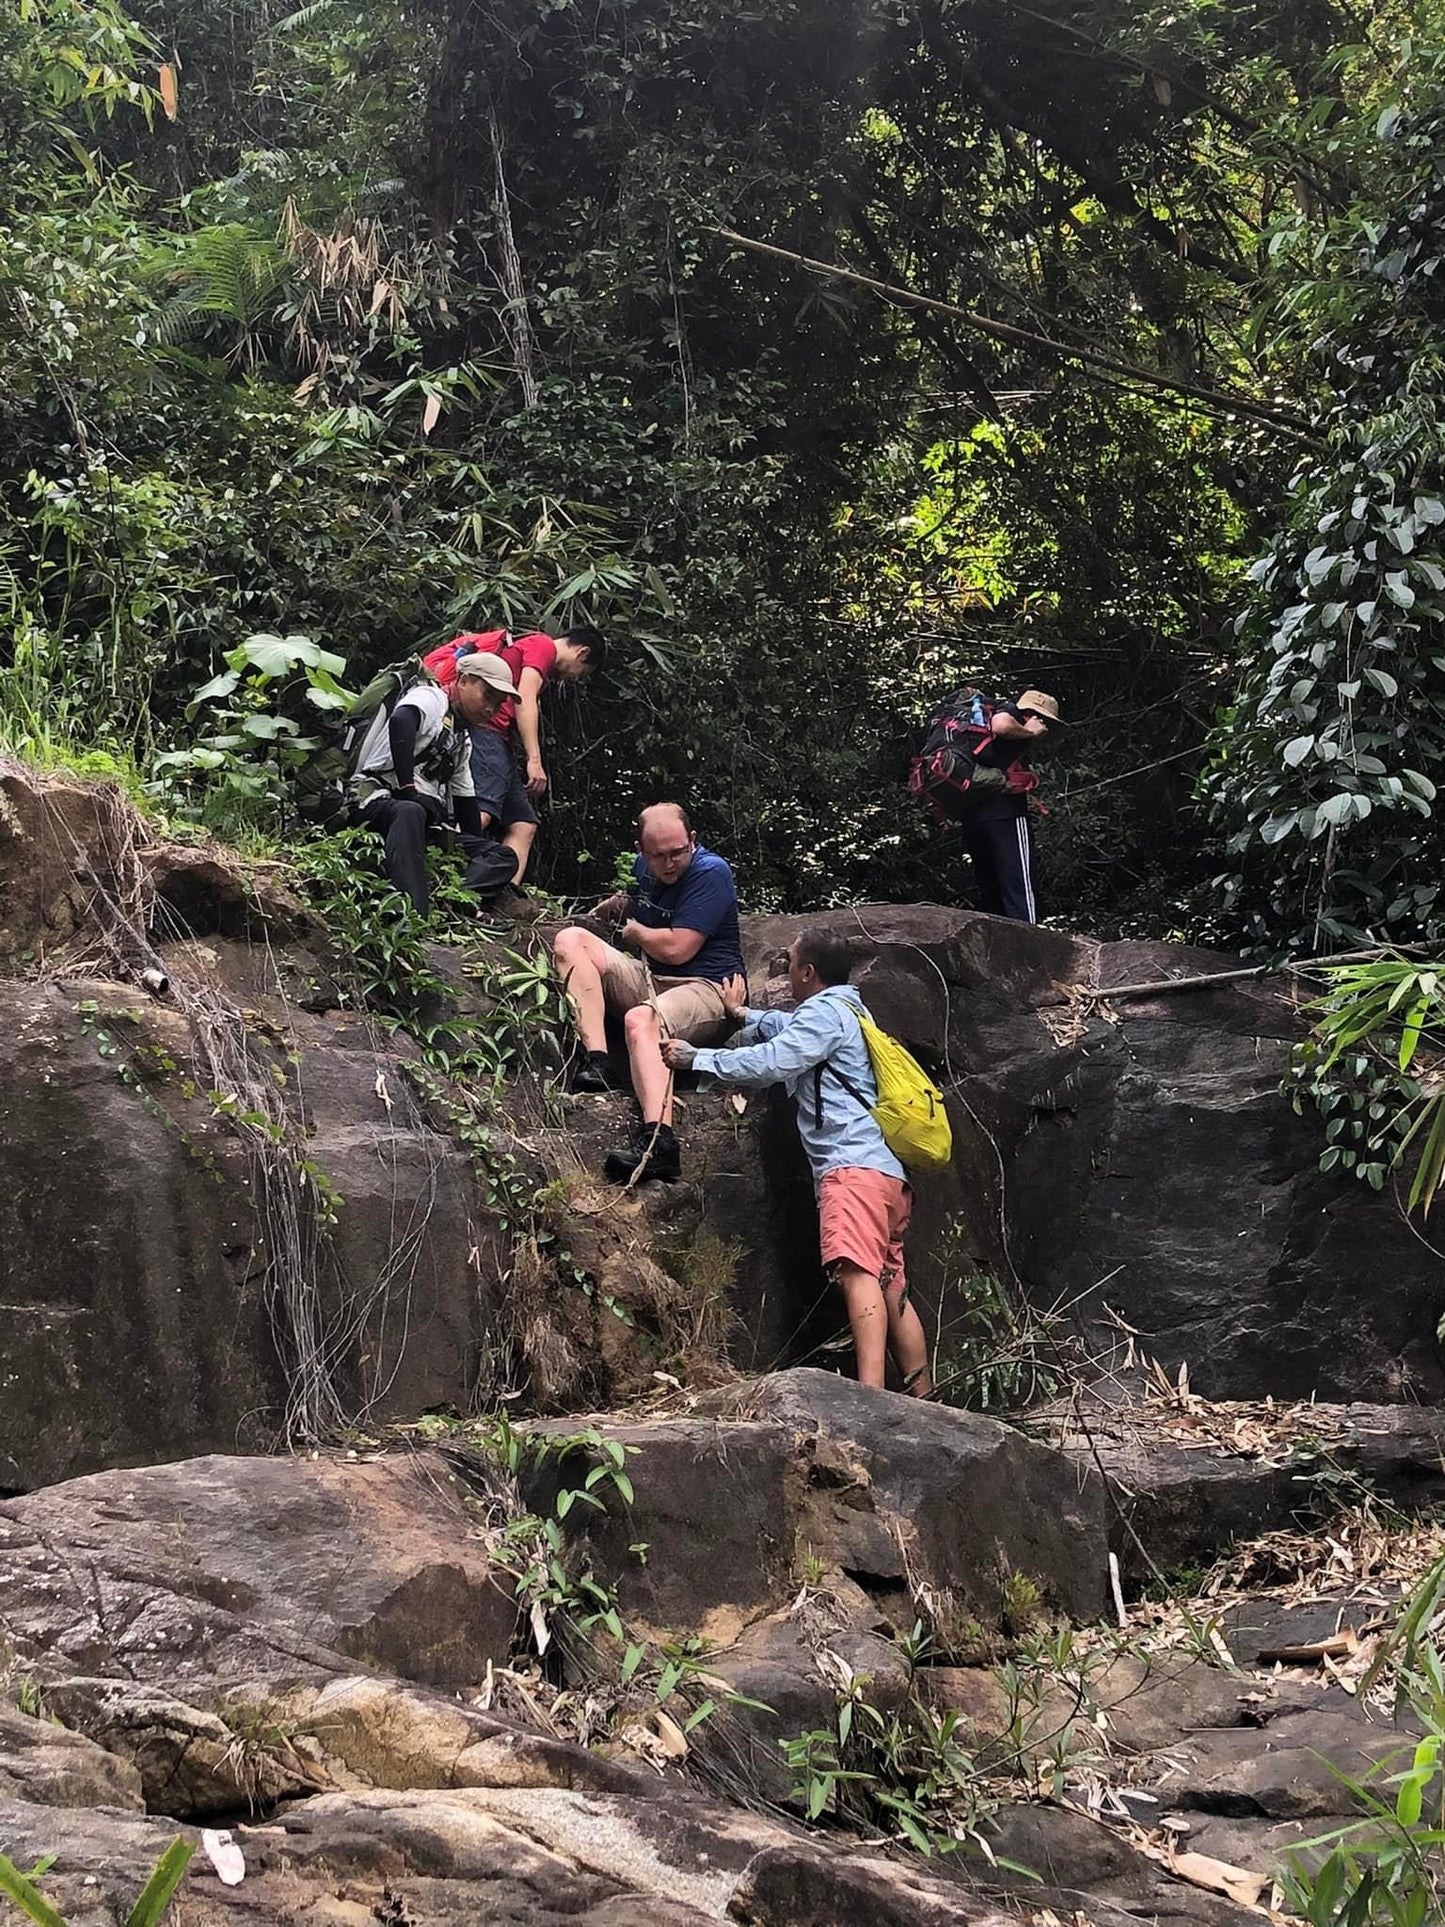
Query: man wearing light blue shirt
x=818 y=1054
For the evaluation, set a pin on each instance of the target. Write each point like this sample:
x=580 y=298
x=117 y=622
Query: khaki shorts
x=690 y=1007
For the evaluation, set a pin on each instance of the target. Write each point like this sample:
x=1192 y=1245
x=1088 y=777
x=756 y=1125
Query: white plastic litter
x=224 y=1855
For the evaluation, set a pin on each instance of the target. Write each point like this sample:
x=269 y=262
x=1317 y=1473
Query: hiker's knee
x=521 y=836
x=571 y=947
x=641 y=1026
x=408 y=821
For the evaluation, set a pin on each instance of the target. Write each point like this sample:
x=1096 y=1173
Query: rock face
x=170 y=1287
x=167 y=1624
x=378 y=1562
x=164 y=1298
x=1136 y=1156
x=140 y=1320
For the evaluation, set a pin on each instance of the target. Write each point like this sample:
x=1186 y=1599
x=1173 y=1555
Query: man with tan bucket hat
x=974 y=770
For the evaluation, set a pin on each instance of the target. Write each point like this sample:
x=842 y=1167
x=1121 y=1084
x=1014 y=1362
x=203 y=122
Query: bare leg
x=651 y=1078
x=906 y=1341
x=868 y=1317
x=581 y=958
x=519 y=837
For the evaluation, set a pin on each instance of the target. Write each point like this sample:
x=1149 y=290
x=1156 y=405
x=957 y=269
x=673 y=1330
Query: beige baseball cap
x=492 y=670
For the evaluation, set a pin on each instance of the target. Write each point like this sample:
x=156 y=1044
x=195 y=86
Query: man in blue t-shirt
x=679 y=920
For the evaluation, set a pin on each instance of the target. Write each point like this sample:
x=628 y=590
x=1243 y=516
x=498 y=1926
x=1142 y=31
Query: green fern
x=304 y=17
x=226 y=277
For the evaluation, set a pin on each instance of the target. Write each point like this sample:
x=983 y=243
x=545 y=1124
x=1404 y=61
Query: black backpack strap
x=848 y=1085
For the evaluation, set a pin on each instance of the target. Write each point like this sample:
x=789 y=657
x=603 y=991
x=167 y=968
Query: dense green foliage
x=1325 y=763
x=1371 y=1065
x=369 y=323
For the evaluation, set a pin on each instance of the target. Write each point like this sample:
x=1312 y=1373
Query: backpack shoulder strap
x=828 y=1065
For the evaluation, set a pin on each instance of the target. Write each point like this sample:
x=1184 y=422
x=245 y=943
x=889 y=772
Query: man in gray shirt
x=414 y=777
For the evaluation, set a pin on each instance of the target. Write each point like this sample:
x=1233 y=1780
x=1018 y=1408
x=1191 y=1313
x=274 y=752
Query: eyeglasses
x=670 y=856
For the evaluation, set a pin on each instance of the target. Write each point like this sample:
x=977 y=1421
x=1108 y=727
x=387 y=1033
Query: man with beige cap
x=414 y=778
x=995 y=824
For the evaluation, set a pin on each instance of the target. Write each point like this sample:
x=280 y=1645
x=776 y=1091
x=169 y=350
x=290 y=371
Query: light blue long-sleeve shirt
x=787 y=1048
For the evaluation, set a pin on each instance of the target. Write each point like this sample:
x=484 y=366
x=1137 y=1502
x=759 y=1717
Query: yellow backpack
x=910 y=1109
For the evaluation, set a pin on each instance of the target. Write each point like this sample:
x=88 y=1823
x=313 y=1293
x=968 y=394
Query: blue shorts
x=501 y=793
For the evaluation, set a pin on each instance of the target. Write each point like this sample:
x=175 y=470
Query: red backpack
x=442 y=662
x=946 y=774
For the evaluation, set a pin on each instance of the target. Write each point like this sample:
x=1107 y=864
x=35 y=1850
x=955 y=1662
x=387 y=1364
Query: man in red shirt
x=507 y=768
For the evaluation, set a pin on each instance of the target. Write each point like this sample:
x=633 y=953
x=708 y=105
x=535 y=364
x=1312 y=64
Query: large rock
x=1133 y=1158
x=897 y=1490
x=1186 y=1481
x=380 y=1562
x=139 y=1318
x=171 y=1286
x=805 y=1467
x=44 y=1763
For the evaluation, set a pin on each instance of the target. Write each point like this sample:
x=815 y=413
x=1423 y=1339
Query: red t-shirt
x=537 y=652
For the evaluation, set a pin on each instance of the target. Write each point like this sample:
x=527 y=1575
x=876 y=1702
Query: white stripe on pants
x=1026 y=866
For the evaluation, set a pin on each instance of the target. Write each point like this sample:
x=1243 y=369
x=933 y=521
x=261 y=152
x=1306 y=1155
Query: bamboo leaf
x=159 y=1890
x=26 y=1896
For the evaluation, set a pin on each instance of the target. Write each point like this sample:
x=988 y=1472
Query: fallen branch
x=1006 y=331
x=1160 y=986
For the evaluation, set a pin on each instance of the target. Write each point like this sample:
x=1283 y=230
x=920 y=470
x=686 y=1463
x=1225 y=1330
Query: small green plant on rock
x=154 y=1899
x=904 y=1770
x=259 y=712
x=996 y=1353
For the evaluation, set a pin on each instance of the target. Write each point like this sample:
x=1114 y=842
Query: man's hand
x=678 y=1055
x=735 y=998
x=536 y=778
x=612 y=909
x=627 y=935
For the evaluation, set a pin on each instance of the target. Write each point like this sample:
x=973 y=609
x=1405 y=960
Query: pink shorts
x=862 y=1216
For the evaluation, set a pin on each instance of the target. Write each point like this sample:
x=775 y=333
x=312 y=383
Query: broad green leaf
x=212 y=691
x=273 y=656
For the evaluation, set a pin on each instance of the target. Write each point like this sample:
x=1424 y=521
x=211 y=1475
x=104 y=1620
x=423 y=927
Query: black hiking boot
x=662 y=1160
x=595 y=1073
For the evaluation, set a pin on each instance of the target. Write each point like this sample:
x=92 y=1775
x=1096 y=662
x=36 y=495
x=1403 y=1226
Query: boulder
x=805 y=1468
x=378 y=1561
x=66 y=1612
x=1131 y=1158
x=42 y=1763
x=710 y=1512
x=902 y=1490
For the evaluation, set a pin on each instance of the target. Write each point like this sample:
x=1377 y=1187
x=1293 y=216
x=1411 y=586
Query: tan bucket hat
x=1042 y=705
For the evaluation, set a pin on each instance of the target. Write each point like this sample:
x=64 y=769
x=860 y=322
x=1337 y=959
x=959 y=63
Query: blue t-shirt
x=703 y=898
